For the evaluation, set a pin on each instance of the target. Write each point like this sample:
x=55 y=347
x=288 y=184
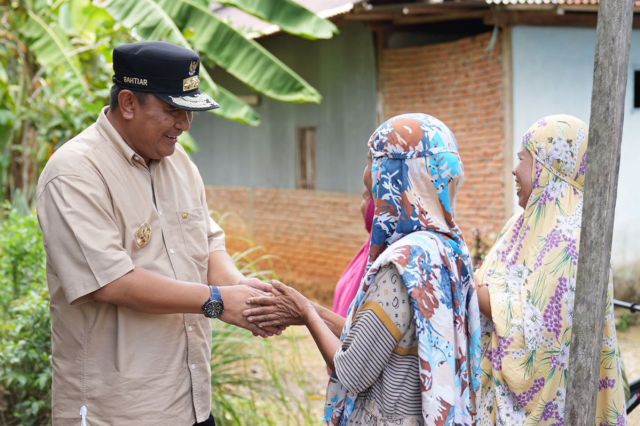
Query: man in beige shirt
x=131 y=251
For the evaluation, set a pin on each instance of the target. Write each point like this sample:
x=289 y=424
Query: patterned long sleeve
x=380 y=351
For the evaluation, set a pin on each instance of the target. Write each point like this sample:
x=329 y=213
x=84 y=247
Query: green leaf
x=6 y=134
x=290 y=16
x=65 y=19
x=4 y=78
x=232 y=106
x=83 y=19
x=188 y=142
x=241 y=57
x=151 y=22
x=53 y=50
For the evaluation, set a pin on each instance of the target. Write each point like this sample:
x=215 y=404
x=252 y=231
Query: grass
x=275 y=381
x=265 y=382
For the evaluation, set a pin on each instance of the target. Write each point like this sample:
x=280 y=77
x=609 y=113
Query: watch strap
x=214 y=306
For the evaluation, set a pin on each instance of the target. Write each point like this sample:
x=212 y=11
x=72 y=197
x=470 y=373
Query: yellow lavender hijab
x=531 y=276
x=416 y=170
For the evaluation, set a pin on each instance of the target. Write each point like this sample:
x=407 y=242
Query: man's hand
x=285 y=307
x=235 y=301
x=257 y=284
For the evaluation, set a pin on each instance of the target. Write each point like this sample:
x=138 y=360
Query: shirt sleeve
x=82 y=238
x=215 y=234
x=380 y=323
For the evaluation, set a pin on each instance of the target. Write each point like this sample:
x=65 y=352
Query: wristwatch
x=213 y=307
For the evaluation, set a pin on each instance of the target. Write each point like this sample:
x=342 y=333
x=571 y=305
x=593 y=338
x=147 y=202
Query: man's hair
x=115 y=91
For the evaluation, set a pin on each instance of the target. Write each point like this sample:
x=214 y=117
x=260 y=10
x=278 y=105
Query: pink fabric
x=349 y=281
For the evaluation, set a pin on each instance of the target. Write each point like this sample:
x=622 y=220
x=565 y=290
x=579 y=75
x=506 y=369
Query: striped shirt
x=378 y=359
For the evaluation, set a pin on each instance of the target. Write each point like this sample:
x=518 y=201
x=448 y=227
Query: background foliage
x=25 y=348
x=55 y=66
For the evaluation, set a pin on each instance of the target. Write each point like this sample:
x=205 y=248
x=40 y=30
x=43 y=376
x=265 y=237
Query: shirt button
x=190 y=328
x=159 y=212
x=193 y=366
x=172 y=251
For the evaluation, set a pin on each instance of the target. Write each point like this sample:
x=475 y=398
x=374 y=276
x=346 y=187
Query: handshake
x=265 y=309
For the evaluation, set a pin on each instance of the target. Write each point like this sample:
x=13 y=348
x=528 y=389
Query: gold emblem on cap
x=143 y=235
x=193 y=67
x=190 y=83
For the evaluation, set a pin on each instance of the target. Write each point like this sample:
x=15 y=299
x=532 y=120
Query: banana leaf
x=232 y=106
x=241 y=57
x=188 y=142
x=290 y=16
x=52 y=50
x=151 y=22
x=82 y=18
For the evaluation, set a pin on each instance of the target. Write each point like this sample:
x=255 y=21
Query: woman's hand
x=234 y=297
x=285 y=307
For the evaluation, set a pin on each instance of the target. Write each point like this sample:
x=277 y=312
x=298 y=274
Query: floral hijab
x=531 y=276
x=416 y=170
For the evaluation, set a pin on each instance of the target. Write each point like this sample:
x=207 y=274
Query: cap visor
x=192 y=102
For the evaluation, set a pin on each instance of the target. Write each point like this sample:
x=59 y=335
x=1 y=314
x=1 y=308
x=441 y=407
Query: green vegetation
x=625 y=321
x=55 y=67
x=254 y=381
x=22 y=258
x=25 y=361
x=25 y=347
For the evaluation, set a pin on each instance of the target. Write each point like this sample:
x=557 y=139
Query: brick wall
x=312 y=234
x=458 y=82
x=461 y=84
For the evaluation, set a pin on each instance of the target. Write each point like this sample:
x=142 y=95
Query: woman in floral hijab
x=527 y=284
x=409 y=351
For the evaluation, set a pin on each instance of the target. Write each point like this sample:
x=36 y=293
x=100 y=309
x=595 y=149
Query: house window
x=636 y=89
x=306 y=158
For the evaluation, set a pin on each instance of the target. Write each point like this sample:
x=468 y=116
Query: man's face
x=155 y=126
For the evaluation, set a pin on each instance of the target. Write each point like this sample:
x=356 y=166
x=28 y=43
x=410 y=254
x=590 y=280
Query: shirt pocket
x=193 y=225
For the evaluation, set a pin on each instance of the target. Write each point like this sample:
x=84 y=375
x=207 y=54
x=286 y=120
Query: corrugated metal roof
x=257 y=28
x=556 y=2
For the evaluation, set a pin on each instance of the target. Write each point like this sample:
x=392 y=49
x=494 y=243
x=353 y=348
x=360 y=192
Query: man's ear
x=127 y=104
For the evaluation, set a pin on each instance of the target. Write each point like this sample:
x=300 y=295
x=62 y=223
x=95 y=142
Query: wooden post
x=605 y=135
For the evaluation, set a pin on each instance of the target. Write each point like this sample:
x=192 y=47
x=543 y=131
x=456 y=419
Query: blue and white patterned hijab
x=416 y=171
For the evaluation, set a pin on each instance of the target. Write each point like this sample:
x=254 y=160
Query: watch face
x=213 y=308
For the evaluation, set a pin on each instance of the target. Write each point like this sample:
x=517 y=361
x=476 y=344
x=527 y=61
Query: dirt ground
x=629 y=341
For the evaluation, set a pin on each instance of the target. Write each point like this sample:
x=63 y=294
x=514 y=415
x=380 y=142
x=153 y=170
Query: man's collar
x=105 y=126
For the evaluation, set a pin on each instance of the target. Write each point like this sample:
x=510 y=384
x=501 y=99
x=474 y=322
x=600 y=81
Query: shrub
x=25 y=360
x=25 y=347
x=22 y=258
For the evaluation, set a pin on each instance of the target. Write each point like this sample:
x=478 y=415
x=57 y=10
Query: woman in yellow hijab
x=526 y=287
